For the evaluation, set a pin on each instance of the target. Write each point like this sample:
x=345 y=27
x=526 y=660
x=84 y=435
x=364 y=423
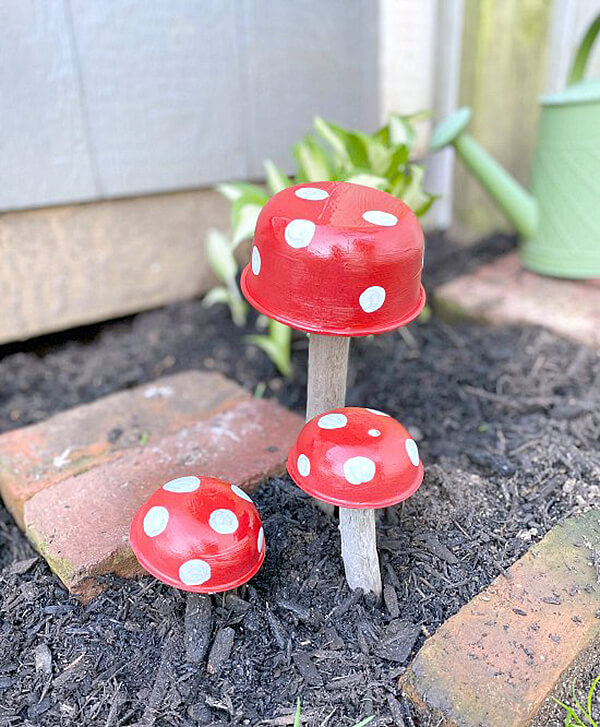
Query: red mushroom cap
x=336 y=258
x=356 y=458
x=199 y=534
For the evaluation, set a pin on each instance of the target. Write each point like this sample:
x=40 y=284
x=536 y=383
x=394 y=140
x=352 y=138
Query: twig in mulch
x=161 y=682
x=220 y=650
x=197 y=626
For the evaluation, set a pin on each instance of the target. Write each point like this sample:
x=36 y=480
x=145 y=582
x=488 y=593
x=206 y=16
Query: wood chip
x=22 y=566
x=308 y=671
x=197 y=626
x=390 y=598
x=276 y=628
x=43 y=659
x=221 y=650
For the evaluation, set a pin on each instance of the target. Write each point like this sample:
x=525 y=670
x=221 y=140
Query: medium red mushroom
x=337 y=260
x=359 y=459
x=199 y=534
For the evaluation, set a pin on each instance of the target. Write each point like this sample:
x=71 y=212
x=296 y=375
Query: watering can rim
x=584 y=92
x=578 y=90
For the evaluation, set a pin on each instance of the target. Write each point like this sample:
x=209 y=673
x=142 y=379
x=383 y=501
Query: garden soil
x=508 y=425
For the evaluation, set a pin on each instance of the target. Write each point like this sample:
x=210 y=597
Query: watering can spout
x=515 y=201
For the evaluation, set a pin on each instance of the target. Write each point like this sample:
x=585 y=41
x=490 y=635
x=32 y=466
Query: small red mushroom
x=199 y=534
x=358 y=459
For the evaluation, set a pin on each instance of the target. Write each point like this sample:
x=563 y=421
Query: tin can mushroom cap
x=336 y=258
x=356 y=458
x=199 y=534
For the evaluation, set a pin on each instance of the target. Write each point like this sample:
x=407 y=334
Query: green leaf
x=276 y=179
x=368 y=180
x=235 y=190
x=414 y=195
x=364 y=721
x=398 y=158
x=297 y=718
x=590 y=695
x=281 y=334
x=244 y=215
x=402 y=131
x=313 y=164
x=279 y=355
x=218 y=294
x=335 y=136
x=220 y=255
x=425 y=315
x=379 y=156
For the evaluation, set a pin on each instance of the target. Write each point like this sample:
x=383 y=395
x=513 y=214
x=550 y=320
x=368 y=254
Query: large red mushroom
x=336 y=259
x=359 y=459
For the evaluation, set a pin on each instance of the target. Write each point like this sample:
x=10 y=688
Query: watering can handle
x=583 y=52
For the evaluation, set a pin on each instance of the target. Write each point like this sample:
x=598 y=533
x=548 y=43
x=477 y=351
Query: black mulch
x=508 y=425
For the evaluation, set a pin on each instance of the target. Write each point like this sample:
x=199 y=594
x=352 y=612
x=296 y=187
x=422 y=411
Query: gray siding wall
x=113 y=98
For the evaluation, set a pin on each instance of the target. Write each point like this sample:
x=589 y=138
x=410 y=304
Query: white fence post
x=447 y=54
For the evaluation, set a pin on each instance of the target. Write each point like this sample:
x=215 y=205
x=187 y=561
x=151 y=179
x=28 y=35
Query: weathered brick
x=503 y=293
x=38 y=456
x=501 y=656
x=81 y=524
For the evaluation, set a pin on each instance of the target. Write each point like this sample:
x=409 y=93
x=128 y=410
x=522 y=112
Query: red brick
x=81 y=524
x=503 y=293
x=38 y=456
x=497 y=661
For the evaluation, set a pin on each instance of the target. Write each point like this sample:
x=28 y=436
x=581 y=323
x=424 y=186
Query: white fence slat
x=440 y=166
x=44 y=155
x=161 y=91
x=302 y=59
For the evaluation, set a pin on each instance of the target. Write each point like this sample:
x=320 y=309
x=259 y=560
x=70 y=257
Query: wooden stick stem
x=359 y=550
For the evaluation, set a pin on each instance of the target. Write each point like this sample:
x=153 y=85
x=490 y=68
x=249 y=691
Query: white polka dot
x=358 y=470
x=374 y=433
x=379 y=413
x=303 y=465
x=378 y=217
x=255 y=261
x=372 y=298
x=333 y=421
x=194 y=572
x=240 y=493
x=155 y=521
x=412 y=451
x=311 y=193
x=299 y=233
x=223 y=521
x=183 y=484
x=260 y=540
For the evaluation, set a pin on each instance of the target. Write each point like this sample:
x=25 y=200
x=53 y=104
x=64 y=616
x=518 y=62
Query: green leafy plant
x=381 y=160
x=297 y=717
x=580 y=715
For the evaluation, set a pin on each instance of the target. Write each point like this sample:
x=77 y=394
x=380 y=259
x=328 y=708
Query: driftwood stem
x=359 y=550
x=327 y=374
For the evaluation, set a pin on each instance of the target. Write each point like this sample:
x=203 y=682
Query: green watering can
x=559 y=219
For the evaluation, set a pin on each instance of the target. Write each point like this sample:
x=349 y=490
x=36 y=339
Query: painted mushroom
x=337 y=260
x=199 y=534
x=359 y=459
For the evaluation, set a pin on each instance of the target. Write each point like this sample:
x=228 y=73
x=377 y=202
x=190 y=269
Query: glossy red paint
x=199 y=534
x=336 y=258
x=356 y=458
